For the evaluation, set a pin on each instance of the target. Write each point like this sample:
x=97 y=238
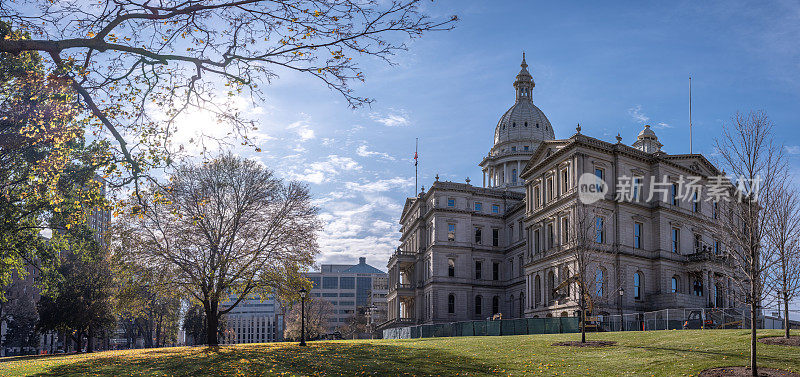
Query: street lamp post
x=371 y=310
x=621 y=315
x=303 y=293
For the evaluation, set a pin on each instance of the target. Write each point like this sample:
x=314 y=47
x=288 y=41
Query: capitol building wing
x=503 y=248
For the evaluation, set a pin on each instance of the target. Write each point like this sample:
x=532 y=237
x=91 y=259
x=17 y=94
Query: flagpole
x=416 y=169
x=690 y=114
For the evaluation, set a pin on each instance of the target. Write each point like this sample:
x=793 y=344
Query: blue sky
x=611 y=67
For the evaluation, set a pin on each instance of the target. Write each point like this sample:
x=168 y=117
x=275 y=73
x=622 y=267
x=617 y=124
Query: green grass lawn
x=652 y=353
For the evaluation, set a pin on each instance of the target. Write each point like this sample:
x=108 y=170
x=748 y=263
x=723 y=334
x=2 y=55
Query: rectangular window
x=513 y=175
x=330 y=282
x=600 y=235
x=695 y=203
x=495 y=208
x=478 y=206
x=478 y=235
x=315 y=281
x=565 y=230
x=451 y=232
x=451 y=202
x=564 y=180
x=716 y=248
x=715 y=209
x=637 y=235
x=674 y=194
x=637 y=188
x=698 y=243
x=495 y=271
x=513 y=149
x=451 y=267
x=536 y=199
x=495 y=237
x=525 y=148
x=347 y=282
x=598 y=172
x=676 y=239
x=537 y=247
x=550 y=192
x=550 y=239
x=478 y=270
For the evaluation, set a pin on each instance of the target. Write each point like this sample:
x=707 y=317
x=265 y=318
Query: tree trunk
x=583 y=314
x=786 y=314
x=90 y=340
x=212 y=320
x=753 y=326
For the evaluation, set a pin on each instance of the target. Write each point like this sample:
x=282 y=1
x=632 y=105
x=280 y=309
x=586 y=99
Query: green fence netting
x=522 y=326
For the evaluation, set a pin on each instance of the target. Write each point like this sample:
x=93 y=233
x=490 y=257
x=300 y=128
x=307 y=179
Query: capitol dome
x=517 y=135
x=523 y=121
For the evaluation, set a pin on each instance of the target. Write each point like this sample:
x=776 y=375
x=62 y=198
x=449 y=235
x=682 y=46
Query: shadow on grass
x=320 y=359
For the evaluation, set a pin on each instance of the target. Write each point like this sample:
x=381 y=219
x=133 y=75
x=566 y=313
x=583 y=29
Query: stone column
x=484 y=177
x=518 y=172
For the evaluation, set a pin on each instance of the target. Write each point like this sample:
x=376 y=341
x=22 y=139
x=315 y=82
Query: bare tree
x=137 y=65
x=318 y=314
x=582 y=233
x=227 y=227
x=783 y=227
x=747 y=150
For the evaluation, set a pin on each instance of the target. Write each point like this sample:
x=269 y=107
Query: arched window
x=511 y=308
x=637 y=286
x=526 y=124
x=451 y=303
x=698 y=287
x=598 y=282
x=537 y=291
x=495 y=305
x=675 y=288
x=565 y=274
x=478 y=305
x=513 y=124
x=451 y=264
x=522 y=304
x=551 y=283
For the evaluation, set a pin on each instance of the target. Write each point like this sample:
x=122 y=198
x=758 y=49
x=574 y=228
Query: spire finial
x=524 y=64
x=619 y=138
x=578 y=128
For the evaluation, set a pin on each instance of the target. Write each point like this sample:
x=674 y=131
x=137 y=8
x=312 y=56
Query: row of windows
x=451 y=304
x=333 y=282
x=478 y=206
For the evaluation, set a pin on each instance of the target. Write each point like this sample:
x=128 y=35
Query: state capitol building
x=469 y=252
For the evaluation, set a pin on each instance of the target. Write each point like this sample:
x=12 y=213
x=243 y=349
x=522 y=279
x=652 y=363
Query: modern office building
x=349 y=288
x=253 y=321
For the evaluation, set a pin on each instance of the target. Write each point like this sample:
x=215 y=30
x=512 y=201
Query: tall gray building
x=469 y=252
x=253 y=321
x=349 y=288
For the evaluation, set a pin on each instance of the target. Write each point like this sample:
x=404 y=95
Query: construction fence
x=521 y=326
x=678 y=319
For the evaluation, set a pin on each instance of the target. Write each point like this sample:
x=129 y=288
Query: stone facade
x=470 y=252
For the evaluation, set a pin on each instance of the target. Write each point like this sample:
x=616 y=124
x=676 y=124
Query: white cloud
x=792 y=149
x=380 y=185
x=393 y=119
x=365 y=226
x=303 y=130
x=662 y=125
x=364 y=152
x=637 y=114
x=323 y=171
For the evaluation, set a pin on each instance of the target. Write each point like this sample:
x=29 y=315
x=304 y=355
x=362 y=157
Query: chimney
x=362 y=260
